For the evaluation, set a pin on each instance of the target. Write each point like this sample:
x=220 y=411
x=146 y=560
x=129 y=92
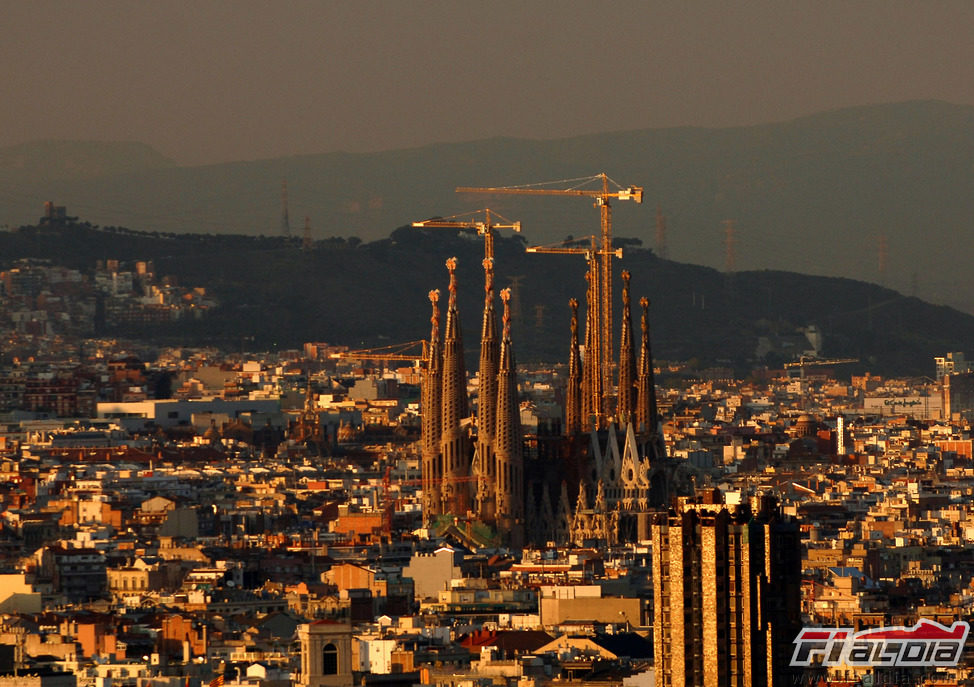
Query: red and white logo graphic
x=928 y=643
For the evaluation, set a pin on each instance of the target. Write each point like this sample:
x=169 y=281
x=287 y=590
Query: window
x=329 y=660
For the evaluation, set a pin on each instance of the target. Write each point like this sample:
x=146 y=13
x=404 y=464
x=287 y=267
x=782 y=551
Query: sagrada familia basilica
x=598 y=477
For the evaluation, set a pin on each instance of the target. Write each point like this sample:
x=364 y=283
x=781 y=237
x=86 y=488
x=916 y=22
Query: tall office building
x=727 y=602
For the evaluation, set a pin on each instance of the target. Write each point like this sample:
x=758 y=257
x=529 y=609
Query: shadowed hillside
x=816 y=195
x=365 y=294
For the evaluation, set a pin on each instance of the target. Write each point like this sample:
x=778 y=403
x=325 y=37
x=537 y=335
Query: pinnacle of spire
x=506 y=299
x=509 y=458
x=452 y=330
x=581 y=503
x=647 y=413
x=451 y=266
x=435 y=361
x=488 y=264
x=489 y=348
x=600 y=498
x=454 y=374
x=627 y=362
x=508 y=410
x=487 y=397
x=453 y=400
x=430 y=413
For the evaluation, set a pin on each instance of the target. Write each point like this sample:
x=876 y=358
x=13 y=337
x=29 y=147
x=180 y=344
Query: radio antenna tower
x=306 y=241
x=515 y=287
x=285 y=221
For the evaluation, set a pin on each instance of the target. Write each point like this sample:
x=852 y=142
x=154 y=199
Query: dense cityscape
x=325 y=517
x=486 y=344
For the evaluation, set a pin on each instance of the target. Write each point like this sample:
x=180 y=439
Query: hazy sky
x=205 y=81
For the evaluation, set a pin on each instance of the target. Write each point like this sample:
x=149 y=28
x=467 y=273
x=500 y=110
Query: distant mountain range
x=882 y=193
x=275 y=295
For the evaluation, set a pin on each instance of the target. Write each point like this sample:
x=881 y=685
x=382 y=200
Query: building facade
x=326 y=654
x=727 y=596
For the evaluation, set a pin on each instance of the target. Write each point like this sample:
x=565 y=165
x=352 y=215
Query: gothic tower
x=453 y=440
x=573 y=394
x=430 y=415
x=647 y=414
x=487 y=399
x=508 y=450
x=627 y=363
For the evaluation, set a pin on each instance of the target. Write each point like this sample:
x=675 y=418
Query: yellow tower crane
x=602 y=197
x=392 y=352
x=484 y=227
x=599 y=389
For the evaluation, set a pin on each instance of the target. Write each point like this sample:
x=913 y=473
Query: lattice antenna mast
x=515 y=289
x=306 y=241
x=285 y=220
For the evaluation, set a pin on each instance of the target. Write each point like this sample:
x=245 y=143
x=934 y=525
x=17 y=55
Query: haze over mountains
x=813 y=195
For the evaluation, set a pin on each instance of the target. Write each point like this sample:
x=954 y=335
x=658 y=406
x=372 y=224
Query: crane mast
x=602 y=276
x=605 y=305
x=596 y=400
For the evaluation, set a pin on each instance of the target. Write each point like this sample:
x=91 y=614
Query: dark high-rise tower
x=487 y=399
x=573 y=393
x=627 y=362
x=727 y=596
x=454 y=444
x=508 y=449
x=430 y=412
